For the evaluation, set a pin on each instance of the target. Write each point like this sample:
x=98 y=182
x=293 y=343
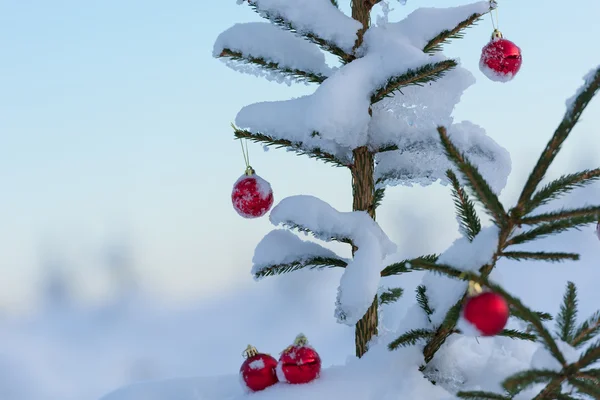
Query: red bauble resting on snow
x=258 y=370
x=299 y=363
x=252 y=196
x=500 y=59
x=487 y=313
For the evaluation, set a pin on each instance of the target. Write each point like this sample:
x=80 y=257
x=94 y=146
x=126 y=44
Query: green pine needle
x=586 y=387
x=410 y=338
x=540 y=255
x=567 y=317
x=522 y=380
x=418 y=76
x=470 y=224
x=586 y=331
x=378 y=197
x=296 y=147
x=590 y=356
x=570 y=119
x=591 y=211
x=311 y=263
x=479 y=395
x=296 y=74
x=515 y=334
x=390 y=295
x=406 y=266
x=481 y=189
x=436 y=44
x=551 y=228
x=423 y=301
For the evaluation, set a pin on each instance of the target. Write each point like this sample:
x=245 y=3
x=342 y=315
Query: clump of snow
x=319 y=17
x=588 y=79
x=466 y=328
x=360 y=280
x=257 y=364
x=424 y=24
x=282 y=247
x=269 y=42
x=444 y=292
x=280 y=374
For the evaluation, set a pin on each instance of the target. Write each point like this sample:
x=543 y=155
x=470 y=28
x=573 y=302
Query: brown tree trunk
x=363 y=186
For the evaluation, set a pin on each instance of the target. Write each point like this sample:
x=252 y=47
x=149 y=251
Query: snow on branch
x=319 y=21
x=281 y=251
x=360 y=281
x=429 y=28
x=421 y=159
x=340 y=159
x=262 y=49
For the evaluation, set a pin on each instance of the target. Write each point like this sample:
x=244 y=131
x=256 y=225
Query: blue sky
x=114 y=121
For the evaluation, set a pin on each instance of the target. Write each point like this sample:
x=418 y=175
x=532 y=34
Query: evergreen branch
x=524 y=379
x=479 y=395
x=334 y=3
x=378 y=197
x=418 y=76
x=310 y=36
x=540 y=255
x=390 y=295
x=515 y=334
x=571 y=117
x=562 y=396
x=586 y=331
x=312 y=263
x=410 y=338
x=537 y=324
x=560 y=186
x=423 y=301
x=318 y=235
x=445 y=36
x=297 y=74
x=465 y=209
x=567 y=317
x=592 y=211
x=586 y=387
x=297 y=147
x=406 y=266
x=591 y=374
x=551 y=228
x=476 y=182
x=590 y=356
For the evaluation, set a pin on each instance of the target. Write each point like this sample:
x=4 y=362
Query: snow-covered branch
x=262 y=48
x=319 y=21
x=339 y=160
x=281 y=251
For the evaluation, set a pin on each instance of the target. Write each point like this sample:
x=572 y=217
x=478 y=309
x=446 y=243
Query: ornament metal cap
x=250 y=352
x=497 y=34
x=300 y=340
x=249 y=171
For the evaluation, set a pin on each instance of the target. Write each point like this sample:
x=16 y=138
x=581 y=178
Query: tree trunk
x=363 y=186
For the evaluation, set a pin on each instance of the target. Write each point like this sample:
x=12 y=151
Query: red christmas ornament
x=252 y=196
x=299 y=363
x=258 y=370
x=500 y=59
x=487 y=312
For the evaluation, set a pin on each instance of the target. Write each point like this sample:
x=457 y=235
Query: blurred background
x=121 y=258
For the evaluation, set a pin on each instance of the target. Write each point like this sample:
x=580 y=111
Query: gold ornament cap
x=474 y=289
x=249 y=171
x=300 y=340
x=250 y=352
x=497 y=34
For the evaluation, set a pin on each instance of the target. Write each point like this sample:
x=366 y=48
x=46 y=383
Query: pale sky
x=115 y=120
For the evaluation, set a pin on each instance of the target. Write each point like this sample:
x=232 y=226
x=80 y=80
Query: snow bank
x=360 y=281
x=271 y=43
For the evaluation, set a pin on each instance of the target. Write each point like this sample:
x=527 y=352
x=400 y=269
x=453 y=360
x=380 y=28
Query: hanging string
x=495 y=24
x=249 y=170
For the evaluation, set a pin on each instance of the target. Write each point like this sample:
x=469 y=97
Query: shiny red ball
x=500 y=60
x=299 y=364
x=252 y=196
x=258 y=372
x=488 y=312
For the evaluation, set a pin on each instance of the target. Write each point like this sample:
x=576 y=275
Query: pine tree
x=384 y=137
